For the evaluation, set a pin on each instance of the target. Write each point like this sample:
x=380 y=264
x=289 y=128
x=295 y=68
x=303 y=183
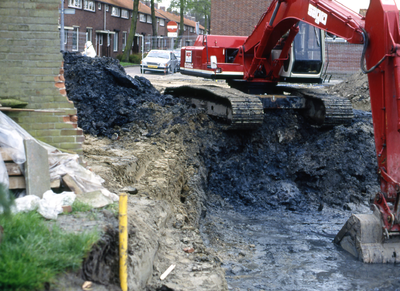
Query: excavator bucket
x=363 y=236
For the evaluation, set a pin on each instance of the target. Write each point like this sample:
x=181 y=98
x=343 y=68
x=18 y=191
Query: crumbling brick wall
x=236 y=17
x=344 y=58
x=30 y=62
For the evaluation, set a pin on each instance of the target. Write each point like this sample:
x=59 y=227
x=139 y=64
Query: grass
x=127 y=64
x=79 y=206
x=32 y=254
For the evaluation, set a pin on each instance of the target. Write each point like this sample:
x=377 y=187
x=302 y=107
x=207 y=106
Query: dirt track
x=258 y=209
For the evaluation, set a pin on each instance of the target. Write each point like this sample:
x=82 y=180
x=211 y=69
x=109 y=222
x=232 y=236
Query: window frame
x=148 y=17
x=89 y=34
x=99 y=6
x=162 y=21
x=142 y=17
x=86 y=3
x=75 y=33
x=107 y=7
x=124 y=11
x=115 y=11
x=115 y=42
x=75 y=4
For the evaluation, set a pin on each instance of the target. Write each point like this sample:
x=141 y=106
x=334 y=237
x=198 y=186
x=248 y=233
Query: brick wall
x=344 y=58
x=30 y=62
x=236 y=17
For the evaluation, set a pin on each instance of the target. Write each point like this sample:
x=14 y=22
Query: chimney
x=162 y=8
x=156 y=5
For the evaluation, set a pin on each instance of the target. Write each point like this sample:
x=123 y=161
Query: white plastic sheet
x=60 y=164
x=51 y=204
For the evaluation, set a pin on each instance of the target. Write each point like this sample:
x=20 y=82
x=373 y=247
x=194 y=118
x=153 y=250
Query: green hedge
x=134 y=58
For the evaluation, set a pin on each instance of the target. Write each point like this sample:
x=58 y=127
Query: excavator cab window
x=307 y=57
x=231 y=55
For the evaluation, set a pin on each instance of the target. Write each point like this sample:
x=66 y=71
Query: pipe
x=123 y=240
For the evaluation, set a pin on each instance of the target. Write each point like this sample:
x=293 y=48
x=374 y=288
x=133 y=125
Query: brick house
x=107 y=23
x=236 y=17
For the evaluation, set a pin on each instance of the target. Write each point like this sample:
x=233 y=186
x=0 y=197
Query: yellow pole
x=123 y=241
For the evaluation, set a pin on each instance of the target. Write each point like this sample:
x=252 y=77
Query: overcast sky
x=355 y=5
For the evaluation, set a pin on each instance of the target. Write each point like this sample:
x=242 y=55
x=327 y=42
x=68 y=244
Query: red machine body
x=250 y=59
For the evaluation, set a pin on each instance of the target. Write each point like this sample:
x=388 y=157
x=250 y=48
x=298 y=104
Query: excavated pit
x=268 y=202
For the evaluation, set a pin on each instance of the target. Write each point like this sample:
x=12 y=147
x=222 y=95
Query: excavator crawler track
x=240 y=110
x=237 y=109
x=326 y=110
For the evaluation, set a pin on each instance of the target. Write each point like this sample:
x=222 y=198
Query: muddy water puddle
x=280 y=250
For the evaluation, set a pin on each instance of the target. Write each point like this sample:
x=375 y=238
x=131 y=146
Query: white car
x=159 y=61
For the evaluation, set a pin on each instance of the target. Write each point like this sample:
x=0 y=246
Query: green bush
x=119 y=57
x=135 y=58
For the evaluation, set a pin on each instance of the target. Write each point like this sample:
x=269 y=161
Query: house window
x=89 y=33
x=124 y=34
x=99 y=6
x=149 y=19
x=88 y=5
x=142 y=17
x=106 y=7
x=124 y=13
x=75 y=3
x=162 y=22
x=115 y=11
x=115 y=47
x=100 y=38
x=184 y=28
x=191 y=29
x=75 y=34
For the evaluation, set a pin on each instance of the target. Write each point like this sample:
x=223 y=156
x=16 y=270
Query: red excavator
x=283 y=48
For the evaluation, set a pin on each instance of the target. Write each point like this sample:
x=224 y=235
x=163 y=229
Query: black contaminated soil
x=285 y=167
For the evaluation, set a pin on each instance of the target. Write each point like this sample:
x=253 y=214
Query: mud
x=267 y=202
x=356 y=89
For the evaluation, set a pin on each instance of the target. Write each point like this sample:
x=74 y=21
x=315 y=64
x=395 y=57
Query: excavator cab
x=306 y=58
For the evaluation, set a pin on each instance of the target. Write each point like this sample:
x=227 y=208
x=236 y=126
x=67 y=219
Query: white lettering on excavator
x=388 y=2
x=318 y=15
x=188 y=56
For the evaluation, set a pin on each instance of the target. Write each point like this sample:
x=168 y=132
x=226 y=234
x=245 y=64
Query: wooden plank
x=72 y=185
x=17 y=182
x=13 y=169
x=55 y=183
x=30 y=110
x=5 y=154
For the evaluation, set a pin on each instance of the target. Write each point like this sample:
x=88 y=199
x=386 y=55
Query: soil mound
x=286 y=162
x=105 y=96
x=356 y=89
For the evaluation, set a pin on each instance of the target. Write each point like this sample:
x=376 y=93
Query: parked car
x=159 y=61
x=178 y=56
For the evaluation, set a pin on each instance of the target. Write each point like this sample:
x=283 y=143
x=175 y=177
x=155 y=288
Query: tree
x=201 y=10
x=182 y=5
x=132 y=31
x=154 y=23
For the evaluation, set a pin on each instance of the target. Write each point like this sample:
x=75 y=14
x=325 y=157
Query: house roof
x=177 y=18
x=128 y=4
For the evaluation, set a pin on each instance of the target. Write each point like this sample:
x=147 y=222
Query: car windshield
x=162 y=55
